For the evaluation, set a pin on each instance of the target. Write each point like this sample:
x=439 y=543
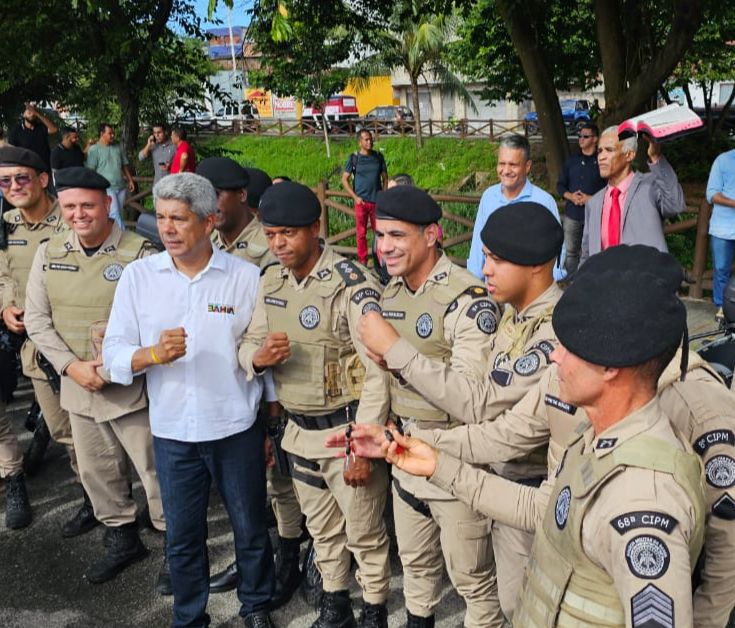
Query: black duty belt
x=343 y=416
x=420 y=507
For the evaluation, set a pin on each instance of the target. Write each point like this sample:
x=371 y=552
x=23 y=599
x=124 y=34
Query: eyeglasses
x=21 y=180
x=585 y=137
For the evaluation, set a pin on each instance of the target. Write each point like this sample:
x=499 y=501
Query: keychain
x=391 y=439
x=349 y=454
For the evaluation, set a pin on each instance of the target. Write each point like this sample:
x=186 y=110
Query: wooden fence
x=458 y=229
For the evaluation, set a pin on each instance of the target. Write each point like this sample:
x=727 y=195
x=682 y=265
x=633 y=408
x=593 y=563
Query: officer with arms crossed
x=625 y=516
x=70 y=291
x=443 y=313
x=305 y=328
x=522 y=242
x=238 y=231
x=35 y=219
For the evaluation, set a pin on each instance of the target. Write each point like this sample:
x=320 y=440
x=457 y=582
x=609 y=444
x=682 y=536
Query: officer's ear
x=431 y=233
x=314 y=228
x=43 y=179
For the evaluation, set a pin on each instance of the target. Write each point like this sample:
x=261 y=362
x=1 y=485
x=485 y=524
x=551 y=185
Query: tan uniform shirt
x=345 y=307
x=250 y=245
x=633 y=503
x=470 y=344
x=519 y=356
x=113 y=401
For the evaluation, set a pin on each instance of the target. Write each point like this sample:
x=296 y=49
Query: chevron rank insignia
x=652 y=608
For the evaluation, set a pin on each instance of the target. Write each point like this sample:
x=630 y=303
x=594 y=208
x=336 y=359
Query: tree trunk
x=688 y=95
x=707 y=95
x=129 y=122
x=416 y=111
x=521 y=29
x=326 y=132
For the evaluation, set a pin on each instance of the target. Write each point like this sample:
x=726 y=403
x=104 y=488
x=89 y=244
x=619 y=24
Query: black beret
x=619 y=318
x=79 y=177
x=524 y=233
x=223 y=173
x=289 y=204
x=259 y=183
x=16 y=156
x=638 y=257
x=407 y=203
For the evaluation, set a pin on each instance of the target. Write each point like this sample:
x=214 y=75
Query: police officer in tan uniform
x=239 y=232
x=698 y=405
x=625 y=517
x=522 y=242
x=305 y=327
x=70 y=291
x=35 y=219
x=443 y=313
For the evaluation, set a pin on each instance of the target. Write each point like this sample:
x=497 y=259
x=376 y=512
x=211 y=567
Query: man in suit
x=633 y=205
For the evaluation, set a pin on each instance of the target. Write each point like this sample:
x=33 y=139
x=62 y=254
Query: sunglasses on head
x=21 y=180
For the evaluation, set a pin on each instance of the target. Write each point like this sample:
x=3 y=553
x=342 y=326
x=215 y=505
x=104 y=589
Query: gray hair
x=628 y=145
x=194 y=190
x=516 y=142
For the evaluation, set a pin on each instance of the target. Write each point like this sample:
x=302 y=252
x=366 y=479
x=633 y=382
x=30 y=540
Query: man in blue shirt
x=514 y=164
x=579 y=180
x=721 y=193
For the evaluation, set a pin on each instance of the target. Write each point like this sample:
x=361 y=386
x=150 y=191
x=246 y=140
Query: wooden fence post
x=321 y=194
x=492 y=132
x=700 y=249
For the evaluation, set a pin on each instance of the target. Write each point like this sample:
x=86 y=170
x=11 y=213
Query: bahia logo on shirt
x=221 y=308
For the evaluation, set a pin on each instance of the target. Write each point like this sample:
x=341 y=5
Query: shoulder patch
x=724 y=507
x=651 y=608
x=647 y=557
x=606 y=443
x=545 y=347
x=351 y=274
x=527 y=364
x=644 y=519
x=561 y=510
x=365 y=293
x=557 y=403
x=720 y=472
x=501 y=377
x=715 y=437
x=479 y=306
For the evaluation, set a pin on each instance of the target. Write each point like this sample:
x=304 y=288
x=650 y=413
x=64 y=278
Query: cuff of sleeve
x=447 y=469
x=65 y=365
x=400 y=354
x=269 y=388
x=121 y=368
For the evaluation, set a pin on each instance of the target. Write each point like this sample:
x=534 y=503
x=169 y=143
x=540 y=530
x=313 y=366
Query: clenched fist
x=274 y=350
x=171 y=345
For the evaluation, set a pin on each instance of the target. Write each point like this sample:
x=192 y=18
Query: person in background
x=184 y=159
x=281 y=178
x=370 y=175
x=578 y=181
x=67 y=153
x=32 y=132
x=721 y=193
x=111 y=162
x=161 y=151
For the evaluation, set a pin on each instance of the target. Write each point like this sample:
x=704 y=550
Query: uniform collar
x=245 y=235
x=52 y=218
x=642 y=420
x=439 y=274
x=111 y=243
x=322 y=271
x=538 y=306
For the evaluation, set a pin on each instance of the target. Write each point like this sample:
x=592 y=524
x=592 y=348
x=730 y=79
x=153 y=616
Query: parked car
x=388 y=113
x=574 y=112
x=337 y=109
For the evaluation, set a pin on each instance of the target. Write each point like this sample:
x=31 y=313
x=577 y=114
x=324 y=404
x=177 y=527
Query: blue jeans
x=185 y=472
x=722 y=255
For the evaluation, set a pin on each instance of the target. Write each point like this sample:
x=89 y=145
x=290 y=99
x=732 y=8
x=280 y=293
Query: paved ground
x=41 y=582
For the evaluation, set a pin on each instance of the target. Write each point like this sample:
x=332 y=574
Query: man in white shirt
x=177 y=317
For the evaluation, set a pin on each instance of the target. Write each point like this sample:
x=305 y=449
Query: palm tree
x=416 y=42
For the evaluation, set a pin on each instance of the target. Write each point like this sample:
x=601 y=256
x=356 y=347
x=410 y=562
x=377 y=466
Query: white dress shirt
x=203 y=395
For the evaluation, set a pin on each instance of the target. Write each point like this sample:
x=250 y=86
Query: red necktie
x=613 y=224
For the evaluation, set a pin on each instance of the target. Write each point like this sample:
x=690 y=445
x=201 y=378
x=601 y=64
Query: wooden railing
x=337 y=225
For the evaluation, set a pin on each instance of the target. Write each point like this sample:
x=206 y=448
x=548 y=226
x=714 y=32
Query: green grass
x=441 y=166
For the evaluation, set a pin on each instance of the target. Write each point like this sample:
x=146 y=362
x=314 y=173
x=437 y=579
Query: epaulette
x=267 y=266
x=350 y=272
x=476 y=292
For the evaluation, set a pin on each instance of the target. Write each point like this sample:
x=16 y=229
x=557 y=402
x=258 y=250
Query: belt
x=419 y=506
x=343 y=416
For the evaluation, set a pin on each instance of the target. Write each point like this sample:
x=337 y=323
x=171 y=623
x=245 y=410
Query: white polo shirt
x=203 y=395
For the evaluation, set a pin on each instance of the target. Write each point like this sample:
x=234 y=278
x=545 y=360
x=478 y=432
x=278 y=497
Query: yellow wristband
x=154 y=357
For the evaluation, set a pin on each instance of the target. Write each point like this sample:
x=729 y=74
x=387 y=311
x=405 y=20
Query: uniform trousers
x=11 y=460
x=284 y=503
x=344 y=520
x=103 y=450
x=512 y=548
x=462 y=536
x=56 y=418
x=186 y=470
